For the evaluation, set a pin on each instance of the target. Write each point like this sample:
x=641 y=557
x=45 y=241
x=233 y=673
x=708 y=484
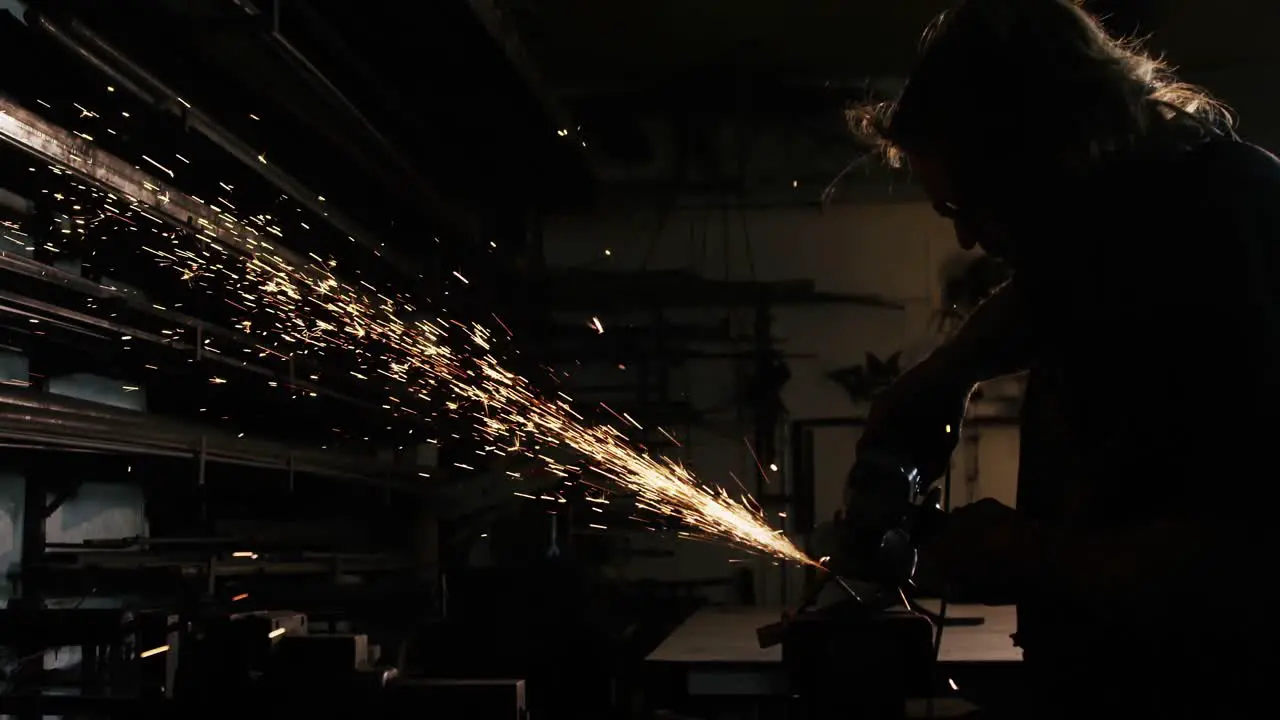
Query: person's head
x=1013 y=100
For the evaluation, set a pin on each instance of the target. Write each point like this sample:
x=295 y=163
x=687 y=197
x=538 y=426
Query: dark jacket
x=1155 y=392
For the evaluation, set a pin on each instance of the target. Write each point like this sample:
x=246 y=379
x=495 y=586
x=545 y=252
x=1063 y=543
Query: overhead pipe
x=123 y=330
x=70 y=560
x=434 y=200
x=35 y=135
x=39 y=271
x=82 y=438
x=89 y=447
x=152 y=90
x=32 y=416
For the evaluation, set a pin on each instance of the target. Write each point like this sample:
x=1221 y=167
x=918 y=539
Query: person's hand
x=919 y=416
x=983 y=553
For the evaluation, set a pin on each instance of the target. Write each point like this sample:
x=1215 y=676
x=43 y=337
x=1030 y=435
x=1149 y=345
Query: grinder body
x=889 y=510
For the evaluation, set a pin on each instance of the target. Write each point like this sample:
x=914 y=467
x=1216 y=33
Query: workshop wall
x=895 y=250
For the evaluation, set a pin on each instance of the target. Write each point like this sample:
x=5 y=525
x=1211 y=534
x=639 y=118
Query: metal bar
x=84 y=445
x=34 y=416
x=76 y=443
x=61 y=312
x=321 y=28
x=39 y=271
x=151 y=89
x=32 y=17
x=51 y=143
x=424 y=191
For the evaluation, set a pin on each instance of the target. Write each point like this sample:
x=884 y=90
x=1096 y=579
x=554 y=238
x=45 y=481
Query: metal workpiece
x=850 y=661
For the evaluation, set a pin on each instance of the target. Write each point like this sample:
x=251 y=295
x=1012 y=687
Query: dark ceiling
x=589 y=45
x=466 y=104
x=744 y=99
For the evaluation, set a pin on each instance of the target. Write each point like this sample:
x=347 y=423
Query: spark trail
x=296 y=308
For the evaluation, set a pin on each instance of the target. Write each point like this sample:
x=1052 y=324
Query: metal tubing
x=456 y=217
x=40 y=271
x=65 y=314
x=33 y=17
x=38 y=417
x=53 y=144
x=152 y=89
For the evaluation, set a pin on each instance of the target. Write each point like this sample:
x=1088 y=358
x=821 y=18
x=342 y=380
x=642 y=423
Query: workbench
x=717 y=653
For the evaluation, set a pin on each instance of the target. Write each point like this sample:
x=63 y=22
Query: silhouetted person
x=1142 y=236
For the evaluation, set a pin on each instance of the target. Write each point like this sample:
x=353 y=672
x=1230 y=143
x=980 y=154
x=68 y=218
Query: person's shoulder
x=1227 y=159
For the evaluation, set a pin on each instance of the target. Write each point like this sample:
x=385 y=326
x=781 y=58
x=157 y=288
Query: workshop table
x=715 y=652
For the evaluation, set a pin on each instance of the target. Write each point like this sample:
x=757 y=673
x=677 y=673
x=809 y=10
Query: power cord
x=935 y=675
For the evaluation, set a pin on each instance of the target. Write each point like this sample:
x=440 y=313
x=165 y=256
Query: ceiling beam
x=504 y=33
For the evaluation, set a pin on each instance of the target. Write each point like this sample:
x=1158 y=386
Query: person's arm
x=996 y=340
x=917 y=419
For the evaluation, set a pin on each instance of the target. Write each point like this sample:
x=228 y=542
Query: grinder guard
x=888 y=504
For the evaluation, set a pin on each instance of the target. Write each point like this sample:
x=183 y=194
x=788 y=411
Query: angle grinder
x=890 y=508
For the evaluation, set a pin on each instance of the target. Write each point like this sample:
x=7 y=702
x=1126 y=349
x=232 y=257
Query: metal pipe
x=81 y=443
x=409 y=175
x=35 y=416
x=34 y=17
x=38 y=417
x=64 y=313
x=51 y=143
x=168 y=99
x=39 y=271
x=102 y=449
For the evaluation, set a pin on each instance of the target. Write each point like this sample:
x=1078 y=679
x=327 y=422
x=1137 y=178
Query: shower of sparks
x=300 y=308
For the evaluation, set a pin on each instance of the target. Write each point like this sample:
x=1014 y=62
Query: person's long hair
x=1020 y=83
